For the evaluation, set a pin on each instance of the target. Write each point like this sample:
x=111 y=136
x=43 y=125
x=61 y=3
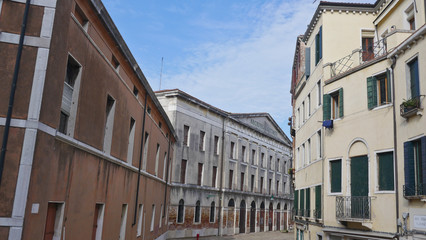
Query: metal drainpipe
x=395 y=146
x=221 y=179
x=167 y=177
x=13 y=88
x=140 y=160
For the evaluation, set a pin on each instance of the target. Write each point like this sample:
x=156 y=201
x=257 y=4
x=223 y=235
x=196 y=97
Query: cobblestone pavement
x=252 y=236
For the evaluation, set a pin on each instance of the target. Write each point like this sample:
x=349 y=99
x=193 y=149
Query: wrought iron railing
x=415 y=190
x=410 y=107
x=317 y=213
x=359 y=56
x=353 y=207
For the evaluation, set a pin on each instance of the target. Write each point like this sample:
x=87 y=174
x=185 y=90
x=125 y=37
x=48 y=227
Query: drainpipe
x=221 y=179
x=167 y=177
x=395 y=145
x=140 y=161
x=13 y=88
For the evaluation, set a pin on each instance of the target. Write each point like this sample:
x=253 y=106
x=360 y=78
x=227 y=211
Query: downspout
x=221 y=179
x=140 y=161
x=395 y=146
x=167 y=178
x=13 y=88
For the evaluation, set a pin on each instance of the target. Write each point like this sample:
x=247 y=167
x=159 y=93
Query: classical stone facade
x=88 y=142
x=230 y=171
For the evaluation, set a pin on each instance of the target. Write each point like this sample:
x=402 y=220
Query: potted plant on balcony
x=409 y=104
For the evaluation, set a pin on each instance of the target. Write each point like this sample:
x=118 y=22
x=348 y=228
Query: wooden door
x=359 y=186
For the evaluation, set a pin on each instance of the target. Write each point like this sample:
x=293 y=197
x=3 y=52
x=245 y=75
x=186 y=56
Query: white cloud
x=248 y=74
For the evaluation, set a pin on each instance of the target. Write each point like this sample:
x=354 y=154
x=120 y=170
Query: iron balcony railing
x=359 y=56
x=353 y=208
x=412 y=191
x=317 y=213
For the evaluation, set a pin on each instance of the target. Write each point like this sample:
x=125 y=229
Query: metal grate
x=353 y=208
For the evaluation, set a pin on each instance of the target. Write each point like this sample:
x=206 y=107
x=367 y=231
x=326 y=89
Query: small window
x=212 y=211
x=197 y=212
x=231 y=177
x=261 y=184
x=135 y=91
x=123 y=222
x=243 y=153
x=63 y=122
x=270 y=186
x=263 y=160
x=216 y=145
x=336 y=176
x=202 y=141
x=160 y=125
x=140 y=219
x=319 y=92
x=333 y=105
x=308 y=105
x=410 y=16
x=183 y=171
x=98 y=218
x=232 y=152
x=81 y=17
x=180 y=211
x=214 y=174
x=200 y=174
x=242 y=182
x=148 y=110
x=115 y=63
x=413 y=67
x=270 y=162
x=145 y=151
x=378 y=90
x=157 y=159
x=319 y=145
x=318 y=46
x=385 y=171
x=253 y=157
x=186 y=135
x=252 y=183
x=109 y=123
x=367 y=48
x=131 y=141
x=54 y=221
x=277 y=167
x=153 y=218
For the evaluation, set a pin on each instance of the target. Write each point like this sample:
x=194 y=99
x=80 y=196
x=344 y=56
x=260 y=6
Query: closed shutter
x=341 y=102
x=317 y=50
x=307 y=62
x=414 y=78
x=336 y=176
x=296 y=201
x=326 y=111
x=386 y=173
x=318 y=201
x=302 y=200
x=320 y=43
x=423 y=166
x=308 y=201
x=371 y=92
x=409 y=168
x=388 y=83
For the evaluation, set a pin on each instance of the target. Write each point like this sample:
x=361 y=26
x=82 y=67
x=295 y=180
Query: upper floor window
x=318 y=46
x=415 y=167
x=243 y=153
x=185 y=135
x=378 y=90
x=232 y=152
x=367 y=48
x=216 y=145
x=333 y=105
x=202 y=140
x=411 y=20
x=413 y=67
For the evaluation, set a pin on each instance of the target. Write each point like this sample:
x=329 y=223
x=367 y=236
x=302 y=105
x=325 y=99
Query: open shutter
x=371 y=92
x=307 y=62
x=326 y=111
x=423 y=143
x=341 y=102
x=388 y=83
x=409 y=168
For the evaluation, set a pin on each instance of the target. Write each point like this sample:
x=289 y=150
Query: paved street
x=253 y=236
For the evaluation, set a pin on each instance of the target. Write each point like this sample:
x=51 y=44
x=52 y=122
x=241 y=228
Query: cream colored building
x=359 y=152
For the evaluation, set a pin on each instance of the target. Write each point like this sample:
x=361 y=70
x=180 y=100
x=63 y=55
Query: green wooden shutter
x=423 y=162
x=317 y=42
x=308 y=201
x=320 y=43
x=388 y=80
x=302 y=200
x=341 y=102
x=307 y=62
x=409 y=168
x=386 y=173
x=336 y=176
x=296 y=202
x=359 y=176
x=414 y=78
x=372 y=92
x=318 y=200
x=326 y=107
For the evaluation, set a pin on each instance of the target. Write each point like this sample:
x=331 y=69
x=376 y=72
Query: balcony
x=317 y=214
x=358 y=57
x=353 y=209
x=307 y=213
x=411 y=107
x=417 y=191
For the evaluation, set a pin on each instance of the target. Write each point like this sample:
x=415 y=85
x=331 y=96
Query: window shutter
x=409 y=168
x=386 y=173
x=341 y=102
x=296 y=201
x=320 y=43
x=371 y=92
x=336 y=176
x=318 y=200
x=326 y=111
x=423 y=143
x=302 y=199
x=307 y=62
x=317 y=41
x=388 y=80
x=308 y=200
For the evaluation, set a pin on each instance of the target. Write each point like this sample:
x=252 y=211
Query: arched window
x=180 y=211
x=197 y=212
x=212 y=210
x=231 y=203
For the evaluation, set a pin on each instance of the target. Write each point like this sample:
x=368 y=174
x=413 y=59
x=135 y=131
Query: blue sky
x=233 y=54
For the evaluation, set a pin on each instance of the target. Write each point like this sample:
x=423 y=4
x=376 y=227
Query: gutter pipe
x=13 y=88
x=221 y=179
x=140 y=160
x=167 y=177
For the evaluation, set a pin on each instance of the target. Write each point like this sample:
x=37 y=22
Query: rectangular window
x=145 y=151
x=81 y=17
x=298 y=118
x=131 y=141
x=253 y=157
x=307 y=62
x=367 y=48
x=319 y=92
x=161 y=215
x=157 y=159
x=242 y=182
x=302 y=202
x=183 y=171
x=317 y=212
x=269 y=186
x=378 y=90
x=278 y=186
x=263 y=160
x=414 y=78
x=202 y=141
x=385 y=171
x=115 y=63
x=409 y=12
x=415 y=167
x=252 y=183
x=123 y=222
x=318 y=46
x=336 y=176
x=308 y=105
x=70 y=97
x=319 y=144
x=303 y=112
x=270 y=162
x=261 y=184
x=186 y=135
x=333 y=105
x=231 y=177
x=214 y=174
x=243 y=153
x=216 y=145
x=153 y=218
x=277 y=168
x=232 y=152
x=140 y=220
x=109 y=124
x=200 y=174
x=135 y=91
x=308 y=151
x=54 y=221
x=308 y=202
x=164 y=166
x=296 y=202
x=98 y=218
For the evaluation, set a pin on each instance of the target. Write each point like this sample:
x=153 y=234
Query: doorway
x=270 y=216
x=359 y=187
x=243 y=217
x=253 y=217
x=262 y=217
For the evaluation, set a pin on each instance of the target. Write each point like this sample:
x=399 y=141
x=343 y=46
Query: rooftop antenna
x=161 y=72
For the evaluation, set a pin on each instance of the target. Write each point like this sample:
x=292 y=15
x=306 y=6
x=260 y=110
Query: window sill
x=335 y=194
x=384 y=192
x=382 y=106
